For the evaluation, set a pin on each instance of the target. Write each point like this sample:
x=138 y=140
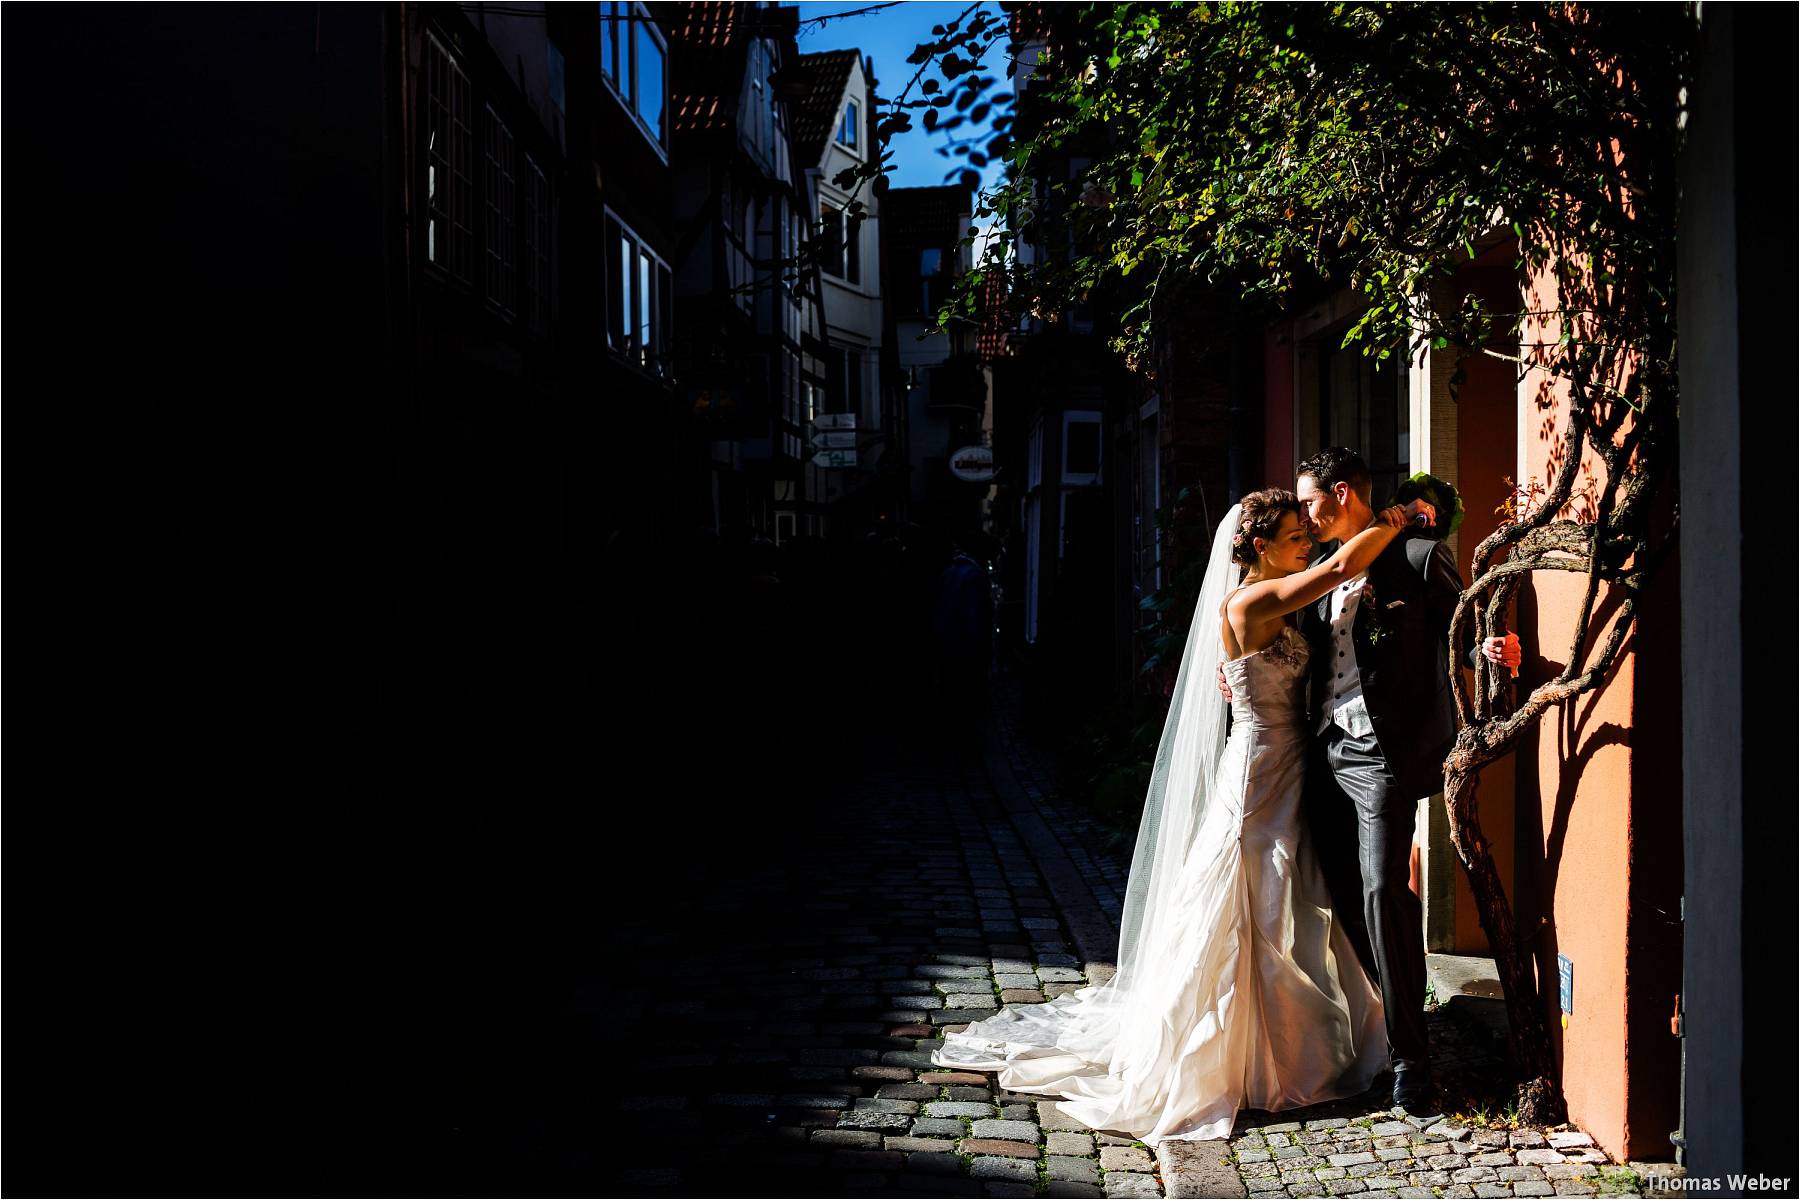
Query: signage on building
x=834 y=458
x=835 y=421
x=835 y=440
x=974 y=464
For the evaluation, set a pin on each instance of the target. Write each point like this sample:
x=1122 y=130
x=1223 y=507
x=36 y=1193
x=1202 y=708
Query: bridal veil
x=1116 y=1034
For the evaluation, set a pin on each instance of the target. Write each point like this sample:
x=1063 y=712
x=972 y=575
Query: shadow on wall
x=1581 y=740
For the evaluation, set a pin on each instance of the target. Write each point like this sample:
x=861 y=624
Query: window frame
x=656 y=314
x=846 y=379
x=848 y=241
x=831 y=239
x=759 y=65
x=537 y=224
x=500 y=213
x=941 y=273
x=854 y=378
x=454 y=212
x=852 y=249
x=850 y=120
x=630 y=16
x=1074 y=417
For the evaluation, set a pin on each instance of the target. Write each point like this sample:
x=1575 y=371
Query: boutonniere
x=1373 y=628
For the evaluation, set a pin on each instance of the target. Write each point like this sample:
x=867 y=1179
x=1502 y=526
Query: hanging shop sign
x=973 y=464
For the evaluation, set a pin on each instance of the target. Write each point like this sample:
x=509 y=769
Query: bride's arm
x=1277 y=597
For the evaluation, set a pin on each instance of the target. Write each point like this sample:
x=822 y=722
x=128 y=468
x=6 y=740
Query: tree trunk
x=1540 y=1099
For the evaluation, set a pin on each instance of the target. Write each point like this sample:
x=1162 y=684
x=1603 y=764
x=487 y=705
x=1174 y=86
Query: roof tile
x=815 y=87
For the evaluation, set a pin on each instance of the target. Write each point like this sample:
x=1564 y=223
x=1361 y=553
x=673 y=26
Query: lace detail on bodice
x=1289 y=649
x=1267 y=685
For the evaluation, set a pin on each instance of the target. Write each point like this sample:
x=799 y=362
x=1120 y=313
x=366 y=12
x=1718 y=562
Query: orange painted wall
x=1596 y=810
x=1573 y=880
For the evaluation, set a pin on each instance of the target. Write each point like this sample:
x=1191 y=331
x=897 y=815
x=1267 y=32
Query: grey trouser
x=1362 y=828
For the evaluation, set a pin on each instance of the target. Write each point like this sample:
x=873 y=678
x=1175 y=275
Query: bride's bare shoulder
x=1241 y=595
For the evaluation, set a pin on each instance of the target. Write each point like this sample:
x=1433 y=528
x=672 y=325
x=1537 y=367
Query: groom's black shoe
x=1414 y=1091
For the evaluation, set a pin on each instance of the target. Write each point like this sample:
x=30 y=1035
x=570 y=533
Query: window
x=1363 y=405
x=843 y=380
x=508 y=253
x=831 y=239
x=632 y=56
x=500 y=200
x=536 y=254
x=649 y=94
x=840 y=249
x=449 y=150
x=846 y=135
x=932 y=280
x=790 y=387
x=853 y=381
x=1081 y=447
x=740 y=264
x=557 y=70
x=762 y=116
x=760 y=120
x=639 y=299
x=768 y=116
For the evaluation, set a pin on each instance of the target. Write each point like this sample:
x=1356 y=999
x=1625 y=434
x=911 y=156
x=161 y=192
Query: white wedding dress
x=1243 y=990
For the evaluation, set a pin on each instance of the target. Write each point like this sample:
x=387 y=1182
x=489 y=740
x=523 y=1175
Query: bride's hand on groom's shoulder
x=1420 y=511
x=1394 y=517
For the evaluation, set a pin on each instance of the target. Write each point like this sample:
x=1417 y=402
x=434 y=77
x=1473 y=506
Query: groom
x=1383 y=721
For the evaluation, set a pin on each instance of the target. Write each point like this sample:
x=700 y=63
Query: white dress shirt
x=1343 y=704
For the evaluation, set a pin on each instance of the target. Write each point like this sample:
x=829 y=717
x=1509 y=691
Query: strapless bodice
x=1268 y=687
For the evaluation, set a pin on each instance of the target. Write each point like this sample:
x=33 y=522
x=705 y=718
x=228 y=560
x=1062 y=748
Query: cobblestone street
x=766 y=1024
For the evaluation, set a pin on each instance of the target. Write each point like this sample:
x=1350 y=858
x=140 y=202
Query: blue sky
x=889 y=35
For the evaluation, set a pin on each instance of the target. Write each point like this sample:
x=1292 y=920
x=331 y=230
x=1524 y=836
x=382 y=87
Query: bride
x=1236 y=987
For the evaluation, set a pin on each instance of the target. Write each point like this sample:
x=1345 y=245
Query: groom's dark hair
x=1339 y=464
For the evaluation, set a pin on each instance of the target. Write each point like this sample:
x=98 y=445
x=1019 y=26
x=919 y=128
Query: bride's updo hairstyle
x=1260 y=518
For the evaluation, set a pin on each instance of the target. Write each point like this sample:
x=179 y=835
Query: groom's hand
x=1503 y=650
x=1224 y=688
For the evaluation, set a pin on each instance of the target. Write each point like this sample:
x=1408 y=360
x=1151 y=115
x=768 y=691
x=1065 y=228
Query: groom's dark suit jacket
x=1401 y=642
